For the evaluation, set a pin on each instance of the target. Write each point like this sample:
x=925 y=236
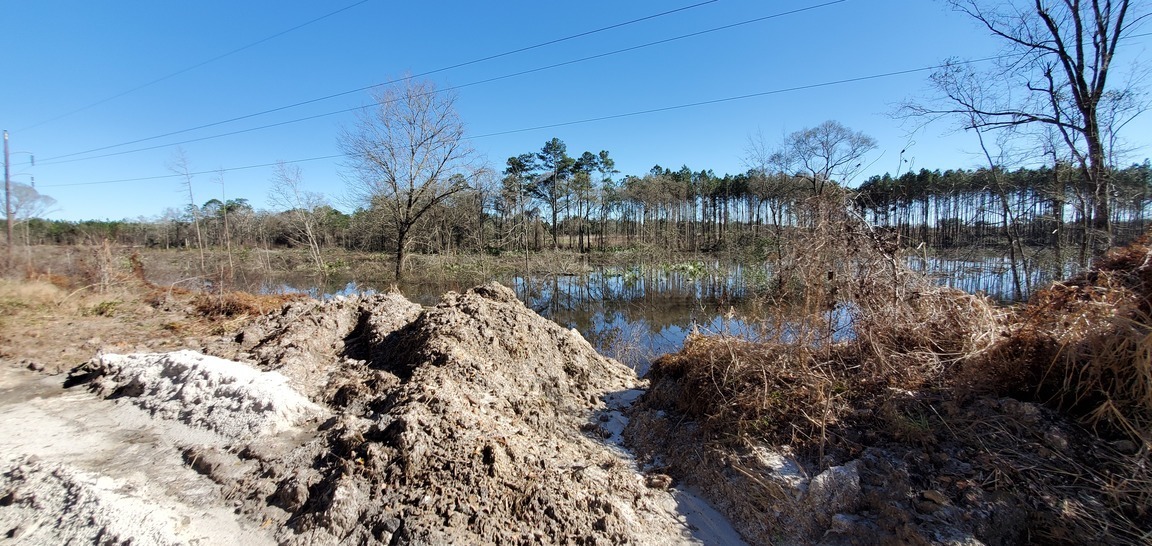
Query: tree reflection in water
x=640 y=313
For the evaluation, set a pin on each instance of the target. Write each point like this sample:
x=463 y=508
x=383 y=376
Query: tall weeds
x=1084 y=347
x=805 y=374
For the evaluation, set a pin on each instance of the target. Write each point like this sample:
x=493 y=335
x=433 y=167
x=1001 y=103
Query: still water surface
x=640 y=313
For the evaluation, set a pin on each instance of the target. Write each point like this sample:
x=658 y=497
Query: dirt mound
x=479 y=442
x=473 y=422
x=322 y=346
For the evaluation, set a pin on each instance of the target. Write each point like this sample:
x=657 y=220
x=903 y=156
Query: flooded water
x=637 y=314
x=633 y=315
x=991 y=275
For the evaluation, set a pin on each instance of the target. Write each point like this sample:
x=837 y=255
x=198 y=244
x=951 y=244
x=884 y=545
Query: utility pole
x=8 y=200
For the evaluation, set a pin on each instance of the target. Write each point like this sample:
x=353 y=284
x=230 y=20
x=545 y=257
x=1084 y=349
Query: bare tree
x=829 y=152
x=224 y=206
x=409 y=154
x=178 y=164
x=27 y=203
x=302 y=208
x=1055 y=72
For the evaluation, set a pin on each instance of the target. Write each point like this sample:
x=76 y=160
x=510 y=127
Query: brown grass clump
x=1085 y=346
x=738 y=387
x=240 y=304
x=794 y=388
x=791 y=391
x=918 y=341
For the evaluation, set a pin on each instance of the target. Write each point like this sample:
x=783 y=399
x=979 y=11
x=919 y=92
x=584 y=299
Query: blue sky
x=65 y=58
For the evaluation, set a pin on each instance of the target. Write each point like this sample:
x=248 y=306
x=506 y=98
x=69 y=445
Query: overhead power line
x=60 y=160
x=197 y=65
x=390 y=82
x=735 y=98
x=590 y=120
x=182 y=175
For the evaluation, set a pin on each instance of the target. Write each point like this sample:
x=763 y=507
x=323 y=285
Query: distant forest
x=678 y=210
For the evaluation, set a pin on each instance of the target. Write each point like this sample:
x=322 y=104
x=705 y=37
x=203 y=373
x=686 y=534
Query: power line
x=182 y=175
x=456 y=87
x=589 y=120
x=422 y=74
x=197 y=65
x=735 y=98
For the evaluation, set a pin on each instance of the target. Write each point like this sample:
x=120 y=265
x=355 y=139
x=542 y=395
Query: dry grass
x=919 y=341
x=240 y=304
x=800 y=383
x=1084 y=347
x=31 y=292
x=740 y=387
x=106 y=271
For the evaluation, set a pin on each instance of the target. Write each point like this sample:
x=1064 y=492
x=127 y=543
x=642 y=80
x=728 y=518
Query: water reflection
x=989 y=275
x=637 y=314
x=636 y=318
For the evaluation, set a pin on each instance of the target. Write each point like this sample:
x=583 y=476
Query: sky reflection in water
x=637 y=314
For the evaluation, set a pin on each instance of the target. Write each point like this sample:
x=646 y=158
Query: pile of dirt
x=323 y=347
x=370 y=420
x=468 y=430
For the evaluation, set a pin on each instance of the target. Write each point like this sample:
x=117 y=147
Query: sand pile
x=229 y=398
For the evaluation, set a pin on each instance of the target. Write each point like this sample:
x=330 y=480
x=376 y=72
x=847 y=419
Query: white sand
x=230 y=398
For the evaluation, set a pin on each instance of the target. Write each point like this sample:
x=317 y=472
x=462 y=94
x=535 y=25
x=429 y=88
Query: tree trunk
x=401 y=242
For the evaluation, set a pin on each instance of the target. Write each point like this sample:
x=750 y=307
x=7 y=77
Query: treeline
x=550 y=200
x=1043 y=207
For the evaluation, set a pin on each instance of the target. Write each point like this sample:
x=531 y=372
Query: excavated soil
x=364 y=420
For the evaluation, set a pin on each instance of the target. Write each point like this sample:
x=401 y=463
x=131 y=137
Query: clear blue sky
x=64 y=56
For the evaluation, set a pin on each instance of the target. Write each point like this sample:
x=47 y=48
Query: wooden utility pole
x=7 y=201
